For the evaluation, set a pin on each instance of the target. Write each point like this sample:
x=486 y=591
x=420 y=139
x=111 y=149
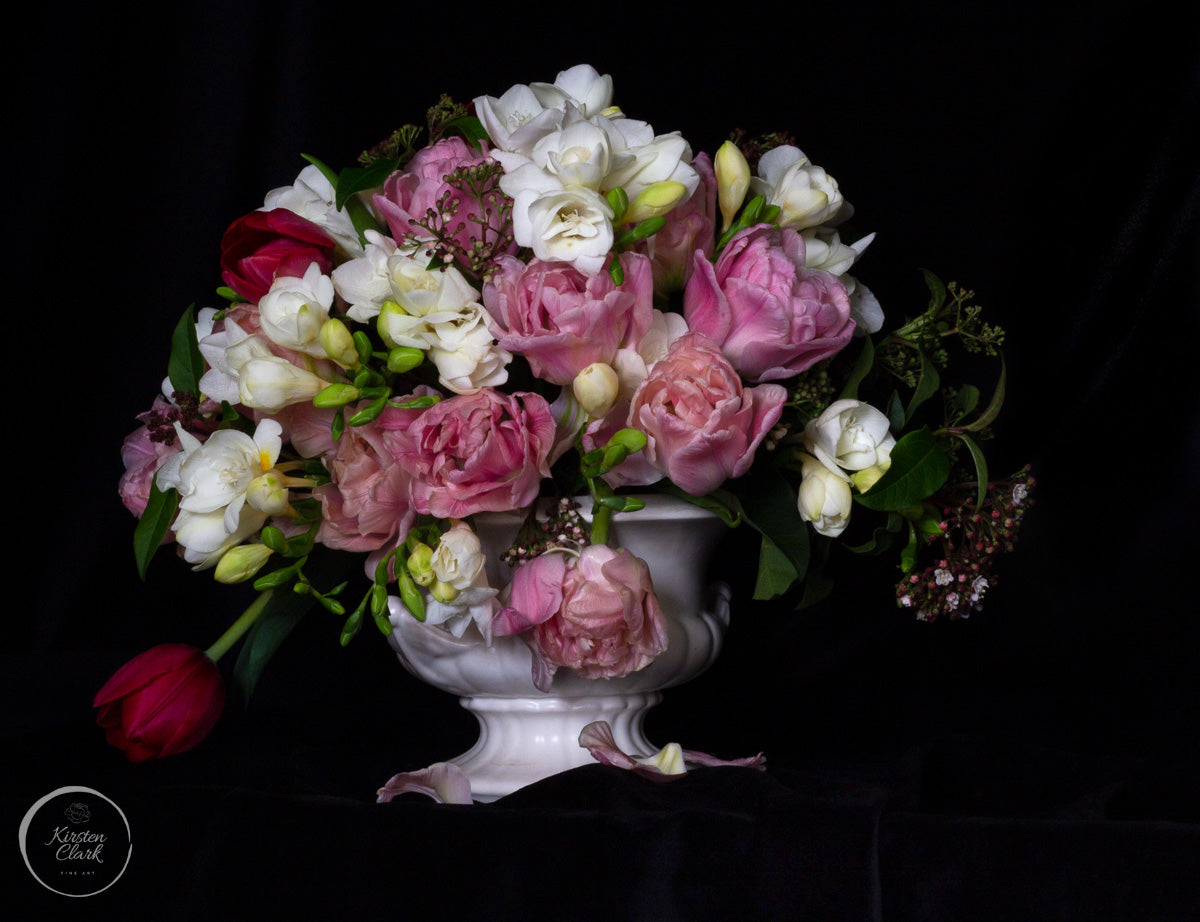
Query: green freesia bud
x=404 y=358
x=387 y=310
x=266 y=493
x=868 y=476
x=338 y=343
x=733 y=180
x=240 y=563
x=336 y=395
x=420 y=565
x=443 y=592
x=655 y=201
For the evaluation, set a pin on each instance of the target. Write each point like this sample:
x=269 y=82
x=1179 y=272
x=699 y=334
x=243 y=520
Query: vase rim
x=657 y=504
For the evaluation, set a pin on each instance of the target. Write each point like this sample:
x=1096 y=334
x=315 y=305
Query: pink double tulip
x=563 y=320
x=264 y=244
x=366 y=504
x=596 y=614
x=772 y=317
x=411 y=193
x=487 y=451
x=163 y=701
x=702 y=424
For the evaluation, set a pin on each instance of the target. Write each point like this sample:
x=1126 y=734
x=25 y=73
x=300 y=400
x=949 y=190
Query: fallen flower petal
x=670 y=762
x=445 y=782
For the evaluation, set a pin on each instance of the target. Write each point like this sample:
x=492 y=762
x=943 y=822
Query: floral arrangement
x=537 y=296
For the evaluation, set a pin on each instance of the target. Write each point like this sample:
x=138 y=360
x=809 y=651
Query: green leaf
x=470 y=127
x=776 y=574
x=994 y=405
x=152 y=527
x=355 y=179
x=185 y=366
x=981 y=468
x=721 y=502
x=919 y=468
x=327 y=171
x=768 y=503
x=964 y=402
x=937 y=289
x=282 y=614
x=862 y=365
x=927 y=386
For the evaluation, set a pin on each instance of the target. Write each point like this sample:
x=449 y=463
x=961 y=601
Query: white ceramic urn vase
x=525 y=734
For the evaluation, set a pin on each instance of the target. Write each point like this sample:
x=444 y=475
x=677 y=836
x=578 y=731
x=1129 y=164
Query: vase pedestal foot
x=523 y=740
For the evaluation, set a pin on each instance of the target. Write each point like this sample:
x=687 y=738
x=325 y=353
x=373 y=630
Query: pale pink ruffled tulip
x=595 y=613
x=690 y=229
x=563 y=320
x=487 y=451
x=366 y=505
x=772 y=317
x=702 y=424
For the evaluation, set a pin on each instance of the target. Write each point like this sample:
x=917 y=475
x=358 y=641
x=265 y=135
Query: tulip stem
x=239 y=627
x=601 y=516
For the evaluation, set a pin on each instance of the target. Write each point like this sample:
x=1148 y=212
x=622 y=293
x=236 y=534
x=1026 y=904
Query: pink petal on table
x=445 y=782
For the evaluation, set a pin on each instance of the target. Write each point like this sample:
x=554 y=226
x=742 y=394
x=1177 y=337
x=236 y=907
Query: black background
x=1037 y=761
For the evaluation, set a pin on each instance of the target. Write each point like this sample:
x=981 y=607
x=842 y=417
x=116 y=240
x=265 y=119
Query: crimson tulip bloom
x=261 y=245
x=161 y=702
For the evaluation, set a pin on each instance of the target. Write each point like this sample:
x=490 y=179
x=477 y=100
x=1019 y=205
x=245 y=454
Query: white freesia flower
x=662 y=158
x=806 y=195
x=824 y=250
x=364 y=283
x=312 y=197
x=419 y=299
x=458 y=558
x=465 y=354
x=850 y=436
x=271 y=383
x=582 y=85
x=226 y=352
x=517 y=120
x=824 y=498
x=632 y=365
x=293 y=311
x=214 y=480
x=569 y=224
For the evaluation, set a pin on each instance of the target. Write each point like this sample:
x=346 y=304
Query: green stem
x=239 y=627
x=601 y=516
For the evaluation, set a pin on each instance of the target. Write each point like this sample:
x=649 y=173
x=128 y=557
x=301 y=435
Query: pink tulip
x=366 y=505
x=772 y=317
x=702 y=424
x=690 y=228
x=563 y=320
x=486 y=451
x=596 y=614
x=409 y=194
x=161 y=702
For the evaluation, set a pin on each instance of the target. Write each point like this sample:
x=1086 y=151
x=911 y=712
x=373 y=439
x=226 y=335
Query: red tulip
x=261 y=245
x=161 y=702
